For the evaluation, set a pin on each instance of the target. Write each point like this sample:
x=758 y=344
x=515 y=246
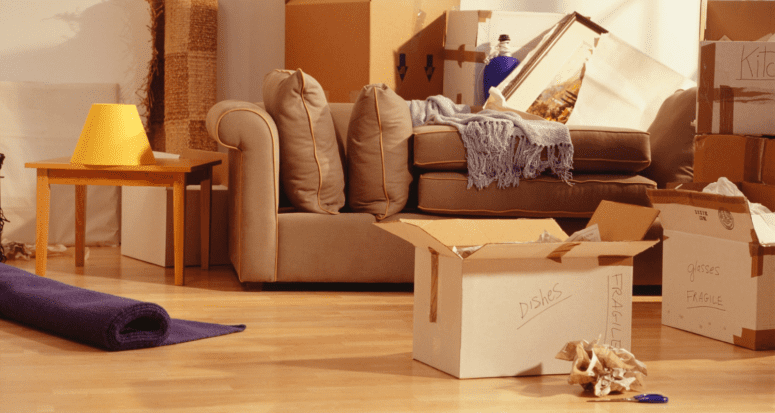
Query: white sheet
x=623 y=87
x=42 y=121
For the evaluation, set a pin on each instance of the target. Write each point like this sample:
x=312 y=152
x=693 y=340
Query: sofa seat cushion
x=545 y=196
x=595 y=149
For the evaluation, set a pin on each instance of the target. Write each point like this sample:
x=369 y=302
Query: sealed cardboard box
x=470 y=36
x=491 y=302
x=735 y=157
x=718 y=265
x=347 y=44
x=147 y=224
x=736 y=91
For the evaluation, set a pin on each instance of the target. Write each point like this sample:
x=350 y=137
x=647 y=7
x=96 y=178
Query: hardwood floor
x=318 y=351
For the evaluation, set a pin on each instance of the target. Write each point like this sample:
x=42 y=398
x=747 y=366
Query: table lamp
x=113 y=135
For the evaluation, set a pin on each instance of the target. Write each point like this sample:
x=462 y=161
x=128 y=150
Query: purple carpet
x=94 y=318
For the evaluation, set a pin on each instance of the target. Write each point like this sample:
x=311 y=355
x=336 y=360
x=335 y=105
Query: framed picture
x=547 y=82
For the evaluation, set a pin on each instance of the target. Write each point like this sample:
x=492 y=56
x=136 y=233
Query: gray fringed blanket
x=500 y=146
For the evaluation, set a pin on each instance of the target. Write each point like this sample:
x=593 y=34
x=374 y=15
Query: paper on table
x=602 y=369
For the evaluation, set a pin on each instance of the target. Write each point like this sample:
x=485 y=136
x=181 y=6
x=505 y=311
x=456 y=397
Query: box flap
x=622 y=222
x=443 y=234
x=467 y=232
x=416 y=235
x=713 y=215
x=560 y=250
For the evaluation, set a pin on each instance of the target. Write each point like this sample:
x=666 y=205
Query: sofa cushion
x=447 y=193
x=378 y=152
x=672 y=139
x=311 y=168
x=595 y=149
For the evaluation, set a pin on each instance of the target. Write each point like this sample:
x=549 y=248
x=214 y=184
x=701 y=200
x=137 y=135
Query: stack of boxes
x=719 y=258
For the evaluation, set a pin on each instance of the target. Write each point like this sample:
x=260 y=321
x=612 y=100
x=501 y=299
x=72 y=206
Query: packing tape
x=434 y=285
x=705 y=88
x=614 y=260
x=560 y=251
x=755 y=339
x=757 y=256
x=699 y=199
x=419 y=17
x=462 y=55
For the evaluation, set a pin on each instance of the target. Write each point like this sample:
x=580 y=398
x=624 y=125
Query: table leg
x=80 y=224
x=179 y=225
x=205 y=198
x=41 y=222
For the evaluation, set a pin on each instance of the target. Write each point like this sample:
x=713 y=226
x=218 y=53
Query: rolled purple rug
x=94 y=318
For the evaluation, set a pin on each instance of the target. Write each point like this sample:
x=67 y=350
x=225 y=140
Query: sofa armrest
x=251 y=135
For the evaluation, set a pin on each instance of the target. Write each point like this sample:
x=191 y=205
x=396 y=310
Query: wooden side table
x=175 y=173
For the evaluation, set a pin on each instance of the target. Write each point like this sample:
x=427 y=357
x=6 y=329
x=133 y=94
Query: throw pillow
x=311 y=168
x=378 y=152
x=672 y=139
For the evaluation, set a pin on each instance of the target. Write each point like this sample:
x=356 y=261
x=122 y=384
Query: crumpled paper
x=725 y=187
x=602 y=368
x=589 y=234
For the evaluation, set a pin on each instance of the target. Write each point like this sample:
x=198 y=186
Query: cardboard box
x=509 y=307
x=735 y=157
x=736 y=90
x=348 y=44
x=718 y=265
x=470 y=36
x=147 y=225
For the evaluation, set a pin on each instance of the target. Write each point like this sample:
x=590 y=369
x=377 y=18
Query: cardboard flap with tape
x=623 y=225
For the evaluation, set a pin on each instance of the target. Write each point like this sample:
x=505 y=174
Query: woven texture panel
x=189 y=73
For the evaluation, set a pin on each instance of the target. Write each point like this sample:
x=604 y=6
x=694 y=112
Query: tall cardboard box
x=736 y=90
x=506 y=306
x=470 y=36
x=719 y=264
x=348 y=44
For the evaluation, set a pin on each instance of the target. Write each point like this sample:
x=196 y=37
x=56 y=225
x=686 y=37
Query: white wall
x=666 y=30
x=77 y=41
x=57 y=57
x=251 y=43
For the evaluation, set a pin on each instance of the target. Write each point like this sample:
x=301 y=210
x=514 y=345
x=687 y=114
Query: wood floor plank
x=325 y=351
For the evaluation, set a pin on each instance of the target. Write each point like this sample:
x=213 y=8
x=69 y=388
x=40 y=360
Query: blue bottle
x=498 y=65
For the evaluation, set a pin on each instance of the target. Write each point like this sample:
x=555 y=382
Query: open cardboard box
x=719 y=264
x=509 y=307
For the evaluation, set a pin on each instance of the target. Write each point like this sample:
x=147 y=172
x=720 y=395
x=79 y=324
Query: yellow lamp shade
x=113 y=135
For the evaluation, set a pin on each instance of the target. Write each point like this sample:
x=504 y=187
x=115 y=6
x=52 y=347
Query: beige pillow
x=672 y=140
x=378 y=152
x=311 y=168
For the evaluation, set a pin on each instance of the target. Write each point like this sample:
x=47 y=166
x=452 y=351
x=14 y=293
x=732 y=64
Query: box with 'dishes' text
x=489 y=301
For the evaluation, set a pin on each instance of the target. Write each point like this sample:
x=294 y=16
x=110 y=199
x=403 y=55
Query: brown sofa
x=270 y=241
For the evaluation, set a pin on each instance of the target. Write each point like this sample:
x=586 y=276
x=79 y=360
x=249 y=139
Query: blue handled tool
x=641 y=398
